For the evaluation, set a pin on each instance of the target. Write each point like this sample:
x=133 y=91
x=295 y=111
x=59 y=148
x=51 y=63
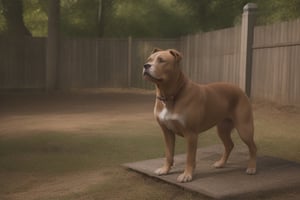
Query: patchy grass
x=31 y=160
x=277 y=132
x=84 y=163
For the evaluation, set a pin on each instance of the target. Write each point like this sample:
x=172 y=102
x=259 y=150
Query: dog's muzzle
x=146 y=72
x=147 y=66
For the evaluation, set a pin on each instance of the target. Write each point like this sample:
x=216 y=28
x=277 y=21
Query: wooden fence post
x=248 y=22
x=129 y=62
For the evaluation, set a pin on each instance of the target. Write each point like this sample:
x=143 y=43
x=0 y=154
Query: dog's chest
x=171 y=120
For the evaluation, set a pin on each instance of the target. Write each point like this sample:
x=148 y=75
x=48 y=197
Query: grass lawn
x=71 y=146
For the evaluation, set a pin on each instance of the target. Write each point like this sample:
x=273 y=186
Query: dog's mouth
x=147 y=74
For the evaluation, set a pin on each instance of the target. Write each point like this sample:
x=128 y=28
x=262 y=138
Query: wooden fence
x=22 y=62
x=276 y=63
x=93 y=63
x=106 y=62
x=212 y=56
x=208 y=57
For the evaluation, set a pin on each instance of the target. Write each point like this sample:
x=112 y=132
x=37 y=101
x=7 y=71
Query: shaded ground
x=72 y=111
x=70 y=145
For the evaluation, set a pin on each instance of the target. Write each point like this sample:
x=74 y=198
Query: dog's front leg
x=169 y=151
x=187 y=175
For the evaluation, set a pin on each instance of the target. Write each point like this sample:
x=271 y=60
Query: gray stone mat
x=273 y=173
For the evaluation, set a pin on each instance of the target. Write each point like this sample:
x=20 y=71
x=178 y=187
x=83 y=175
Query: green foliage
x=148 y=18
x=215 y=14
x=271 y=11
x=35 y=17
x=2 y=19
x=151 y=18
x=79 y=18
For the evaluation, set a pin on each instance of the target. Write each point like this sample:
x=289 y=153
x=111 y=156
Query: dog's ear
x=176 y=54
x=156 y=50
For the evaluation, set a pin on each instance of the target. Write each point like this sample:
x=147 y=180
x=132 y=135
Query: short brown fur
x=186 y=109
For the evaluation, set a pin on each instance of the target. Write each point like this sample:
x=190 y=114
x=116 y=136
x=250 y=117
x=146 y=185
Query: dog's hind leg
x=245 y=128
x=245 y=131
x=224 y=131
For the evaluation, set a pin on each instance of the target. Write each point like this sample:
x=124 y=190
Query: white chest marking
x=170 y=120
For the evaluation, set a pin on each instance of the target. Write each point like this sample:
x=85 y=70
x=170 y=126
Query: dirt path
x=24 y=113
x=61 y=186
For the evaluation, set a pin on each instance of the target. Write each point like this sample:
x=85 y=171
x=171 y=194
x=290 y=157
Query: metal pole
x=247 y=32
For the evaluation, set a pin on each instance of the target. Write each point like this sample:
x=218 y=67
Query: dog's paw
x=251 y=171
x=185 y=177
x=162 y=171
x=219 y=164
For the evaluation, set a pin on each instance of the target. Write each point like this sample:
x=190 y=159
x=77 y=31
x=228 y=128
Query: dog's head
x=162 y=65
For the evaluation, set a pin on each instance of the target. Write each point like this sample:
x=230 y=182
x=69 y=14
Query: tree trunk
x=104 y=12
x=13 y=13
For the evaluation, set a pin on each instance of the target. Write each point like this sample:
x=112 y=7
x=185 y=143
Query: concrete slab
x=273 y=173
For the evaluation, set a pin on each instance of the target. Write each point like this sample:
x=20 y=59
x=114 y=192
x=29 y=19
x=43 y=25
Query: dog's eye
x=160 y=60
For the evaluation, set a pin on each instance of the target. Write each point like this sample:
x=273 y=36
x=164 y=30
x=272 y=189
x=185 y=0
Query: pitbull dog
x=185 y=108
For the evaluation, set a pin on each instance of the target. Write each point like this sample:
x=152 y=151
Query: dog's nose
x=147 y=66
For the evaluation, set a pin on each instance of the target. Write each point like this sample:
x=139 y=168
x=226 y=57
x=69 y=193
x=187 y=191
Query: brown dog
x=185 y=108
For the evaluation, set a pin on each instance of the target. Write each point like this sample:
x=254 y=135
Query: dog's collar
x=171 y=98
x=165 y=99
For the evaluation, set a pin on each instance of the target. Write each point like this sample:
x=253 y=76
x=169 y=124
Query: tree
x=105 y=8
x=150 y=18
x=13 y=13
x=271 y=11
x=122 y=18
x=215 y=14
x=35 y=16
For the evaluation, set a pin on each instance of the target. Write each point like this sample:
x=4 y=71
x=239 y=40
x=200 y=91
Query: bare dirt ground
x=22 y=113
x=84 y=111
x=77 y=112
x=63 y=185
